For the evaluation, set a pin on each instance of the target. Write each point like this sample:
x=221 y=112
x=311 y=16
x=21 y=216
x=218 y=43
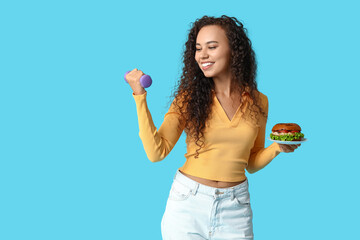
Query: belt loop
x=177 y=174
x=194 y=191
x=232 y=194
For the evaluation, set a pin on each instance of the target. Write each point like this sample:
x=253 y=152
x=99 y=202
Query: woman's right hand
x=288 y=148
x=133 y=78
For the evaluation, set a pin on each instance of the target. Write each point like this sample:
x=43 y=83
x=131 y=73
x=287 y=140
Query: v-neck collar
x=220 y=110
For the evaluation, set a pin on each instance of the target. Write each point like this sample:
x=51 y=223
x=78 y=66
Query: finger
x=287 y=149
x=292 y=148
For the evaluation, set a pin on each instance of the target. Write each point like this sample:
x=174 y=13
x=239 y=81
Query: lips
x=206 y=65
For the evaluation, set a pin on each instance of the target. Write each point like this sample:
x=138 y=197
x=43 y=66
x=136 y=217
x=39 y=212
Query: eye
x=209 y=48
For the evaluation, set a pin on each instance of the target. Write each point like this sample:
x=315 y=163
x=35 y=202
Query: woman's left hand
x=288 y=147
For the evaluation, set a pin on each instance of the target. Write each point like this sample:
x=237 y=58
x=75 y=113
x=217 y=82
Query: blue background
x=72 y=165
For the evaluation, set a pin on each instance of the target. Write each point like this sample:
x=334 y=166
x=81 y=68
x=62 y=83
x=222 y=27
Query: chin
x=208 y=75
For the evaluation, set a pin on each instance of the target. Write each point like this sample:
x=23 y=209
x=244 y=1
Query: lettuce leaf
x=286 y=137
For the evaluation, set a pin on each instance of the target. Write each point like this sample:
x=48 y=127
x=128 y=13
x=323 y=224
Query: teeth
x=206 y=64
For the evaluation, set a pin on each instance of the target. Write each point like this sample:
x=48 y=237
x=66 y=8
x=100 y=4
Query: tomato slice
x=283 y=131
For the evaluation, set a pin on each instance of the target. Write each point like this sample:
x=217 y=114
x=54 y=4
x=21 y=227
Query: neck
x=223 y=84
x=223 y=87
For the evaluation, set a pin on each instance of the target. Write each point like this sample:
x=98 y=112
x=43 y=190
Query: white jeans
x=196 y=211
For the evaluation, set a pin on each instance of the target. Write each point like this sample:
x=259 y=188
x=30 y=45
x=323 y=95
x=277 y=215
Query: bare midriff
x=212 y=183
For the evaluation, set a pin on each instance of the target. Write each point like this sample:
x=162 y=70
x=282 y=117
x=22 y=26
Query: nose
x=203 y=54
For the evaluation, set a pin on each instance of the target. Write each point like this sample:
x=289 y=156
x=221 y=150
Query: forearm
x=152 y=142
x=157 y=143
x=263 y=157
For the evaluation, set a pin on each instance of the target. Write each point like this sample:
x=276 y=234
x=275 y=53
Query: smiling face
x=212 y=47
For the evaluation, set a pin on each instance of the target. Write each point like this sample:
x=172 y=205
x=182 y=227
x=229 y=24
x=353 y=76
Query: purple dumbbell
x=145 y=80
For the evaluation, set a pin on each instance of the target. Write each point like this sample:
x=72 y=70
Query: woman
x=224 y=116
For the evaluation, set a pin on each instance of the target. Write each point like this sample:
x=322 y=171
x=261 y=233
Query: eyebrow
x=208 y=42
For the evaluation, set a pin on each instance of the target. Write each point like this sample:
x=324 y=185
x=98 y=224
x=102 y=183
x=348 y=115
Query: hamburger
x=286 y=132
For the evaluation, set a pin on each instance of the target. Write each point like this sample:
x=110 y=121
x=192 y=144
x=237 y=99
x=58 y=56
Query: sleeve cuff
x=276 y=147
x=139 y=97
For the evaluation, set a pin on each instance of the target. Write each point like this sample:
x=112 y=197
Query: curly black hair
x=194 y=91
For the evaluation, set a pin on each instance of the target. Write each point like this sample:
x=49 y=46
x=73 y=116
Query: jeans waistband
x=211 y=191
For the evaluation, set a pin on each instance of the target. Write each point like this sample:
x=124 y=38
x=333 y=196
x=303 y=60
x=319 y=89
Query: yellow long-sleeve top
x=230 y=146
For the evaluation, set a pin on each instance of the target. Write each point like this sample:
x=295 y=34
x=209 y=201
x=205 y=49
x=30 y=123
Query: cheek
x=225 y=61
x=224 y=55
x=196 y=57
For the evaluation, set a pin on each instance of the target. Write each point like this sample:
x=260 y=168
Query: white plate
x=288 y=142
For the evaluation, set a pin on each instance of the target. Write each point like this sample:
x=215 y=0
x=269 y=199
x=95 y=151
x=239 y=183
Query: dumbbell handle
x=145 y=80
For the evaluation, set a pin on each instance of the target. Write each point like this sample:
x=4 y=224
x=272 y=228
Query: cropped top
x=231 y=146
